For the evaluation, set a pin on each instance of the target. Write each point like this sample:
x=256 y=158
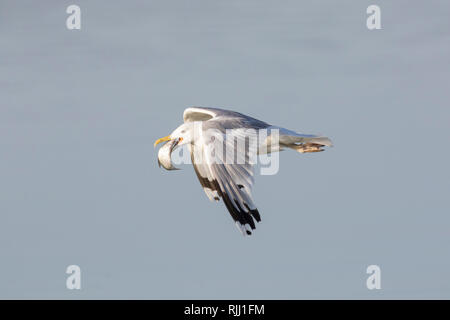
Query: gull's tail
x=303 y=142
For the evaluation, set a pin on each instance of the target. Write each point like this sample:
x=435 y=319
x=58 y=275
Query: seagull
x=231 y=181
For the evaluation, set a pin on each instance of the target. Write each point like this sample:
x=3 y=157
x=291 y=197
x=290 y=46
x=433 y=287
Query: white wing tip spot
x=246 y=230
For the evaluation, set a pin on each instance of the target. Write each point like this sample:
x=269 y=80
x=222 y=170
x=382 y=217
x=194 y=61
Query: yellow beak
x=161 y=140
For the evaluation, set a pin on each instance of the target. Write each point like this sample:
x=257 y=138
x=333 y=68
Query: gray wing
x=230 y=182
x=229 y=119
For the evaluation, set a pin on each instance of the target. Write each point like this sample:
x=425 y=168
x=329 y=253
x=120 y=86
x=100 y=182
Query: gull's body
x=231 y=181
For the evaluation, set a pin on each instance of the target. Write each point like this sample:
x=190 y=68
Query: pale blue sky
x=79 y=181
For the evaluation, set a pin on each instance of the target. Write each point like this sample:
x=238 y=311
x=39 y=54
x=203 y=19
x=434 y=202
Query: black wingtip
x=255 y=213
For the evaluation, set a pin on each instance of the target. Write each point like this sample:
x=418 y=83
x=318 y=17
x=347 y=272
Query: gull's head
x=180 y=136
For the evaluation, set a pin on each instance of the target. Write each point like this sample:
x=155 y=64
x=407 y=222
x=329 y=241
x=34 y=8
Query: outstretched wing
x=231 y=182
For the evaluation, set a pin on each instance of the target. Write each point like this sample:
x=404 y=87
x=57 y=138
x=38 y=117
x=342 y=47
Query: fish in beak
x=165 y=152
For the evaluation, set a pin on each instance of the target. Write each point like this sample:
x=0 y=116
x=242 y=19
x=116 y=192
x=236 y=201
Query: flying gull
x=226 y=172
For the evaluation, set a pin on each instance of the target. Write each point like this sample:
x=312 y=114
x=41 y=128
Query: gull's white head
x=182 y=135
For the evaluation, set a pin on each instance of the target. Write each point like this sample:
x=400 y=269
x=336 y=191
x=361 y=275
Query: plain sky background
x=80 y=184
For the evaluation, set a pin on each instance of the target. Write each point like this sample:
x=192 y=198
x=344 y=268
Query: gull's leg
x=308 y=147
